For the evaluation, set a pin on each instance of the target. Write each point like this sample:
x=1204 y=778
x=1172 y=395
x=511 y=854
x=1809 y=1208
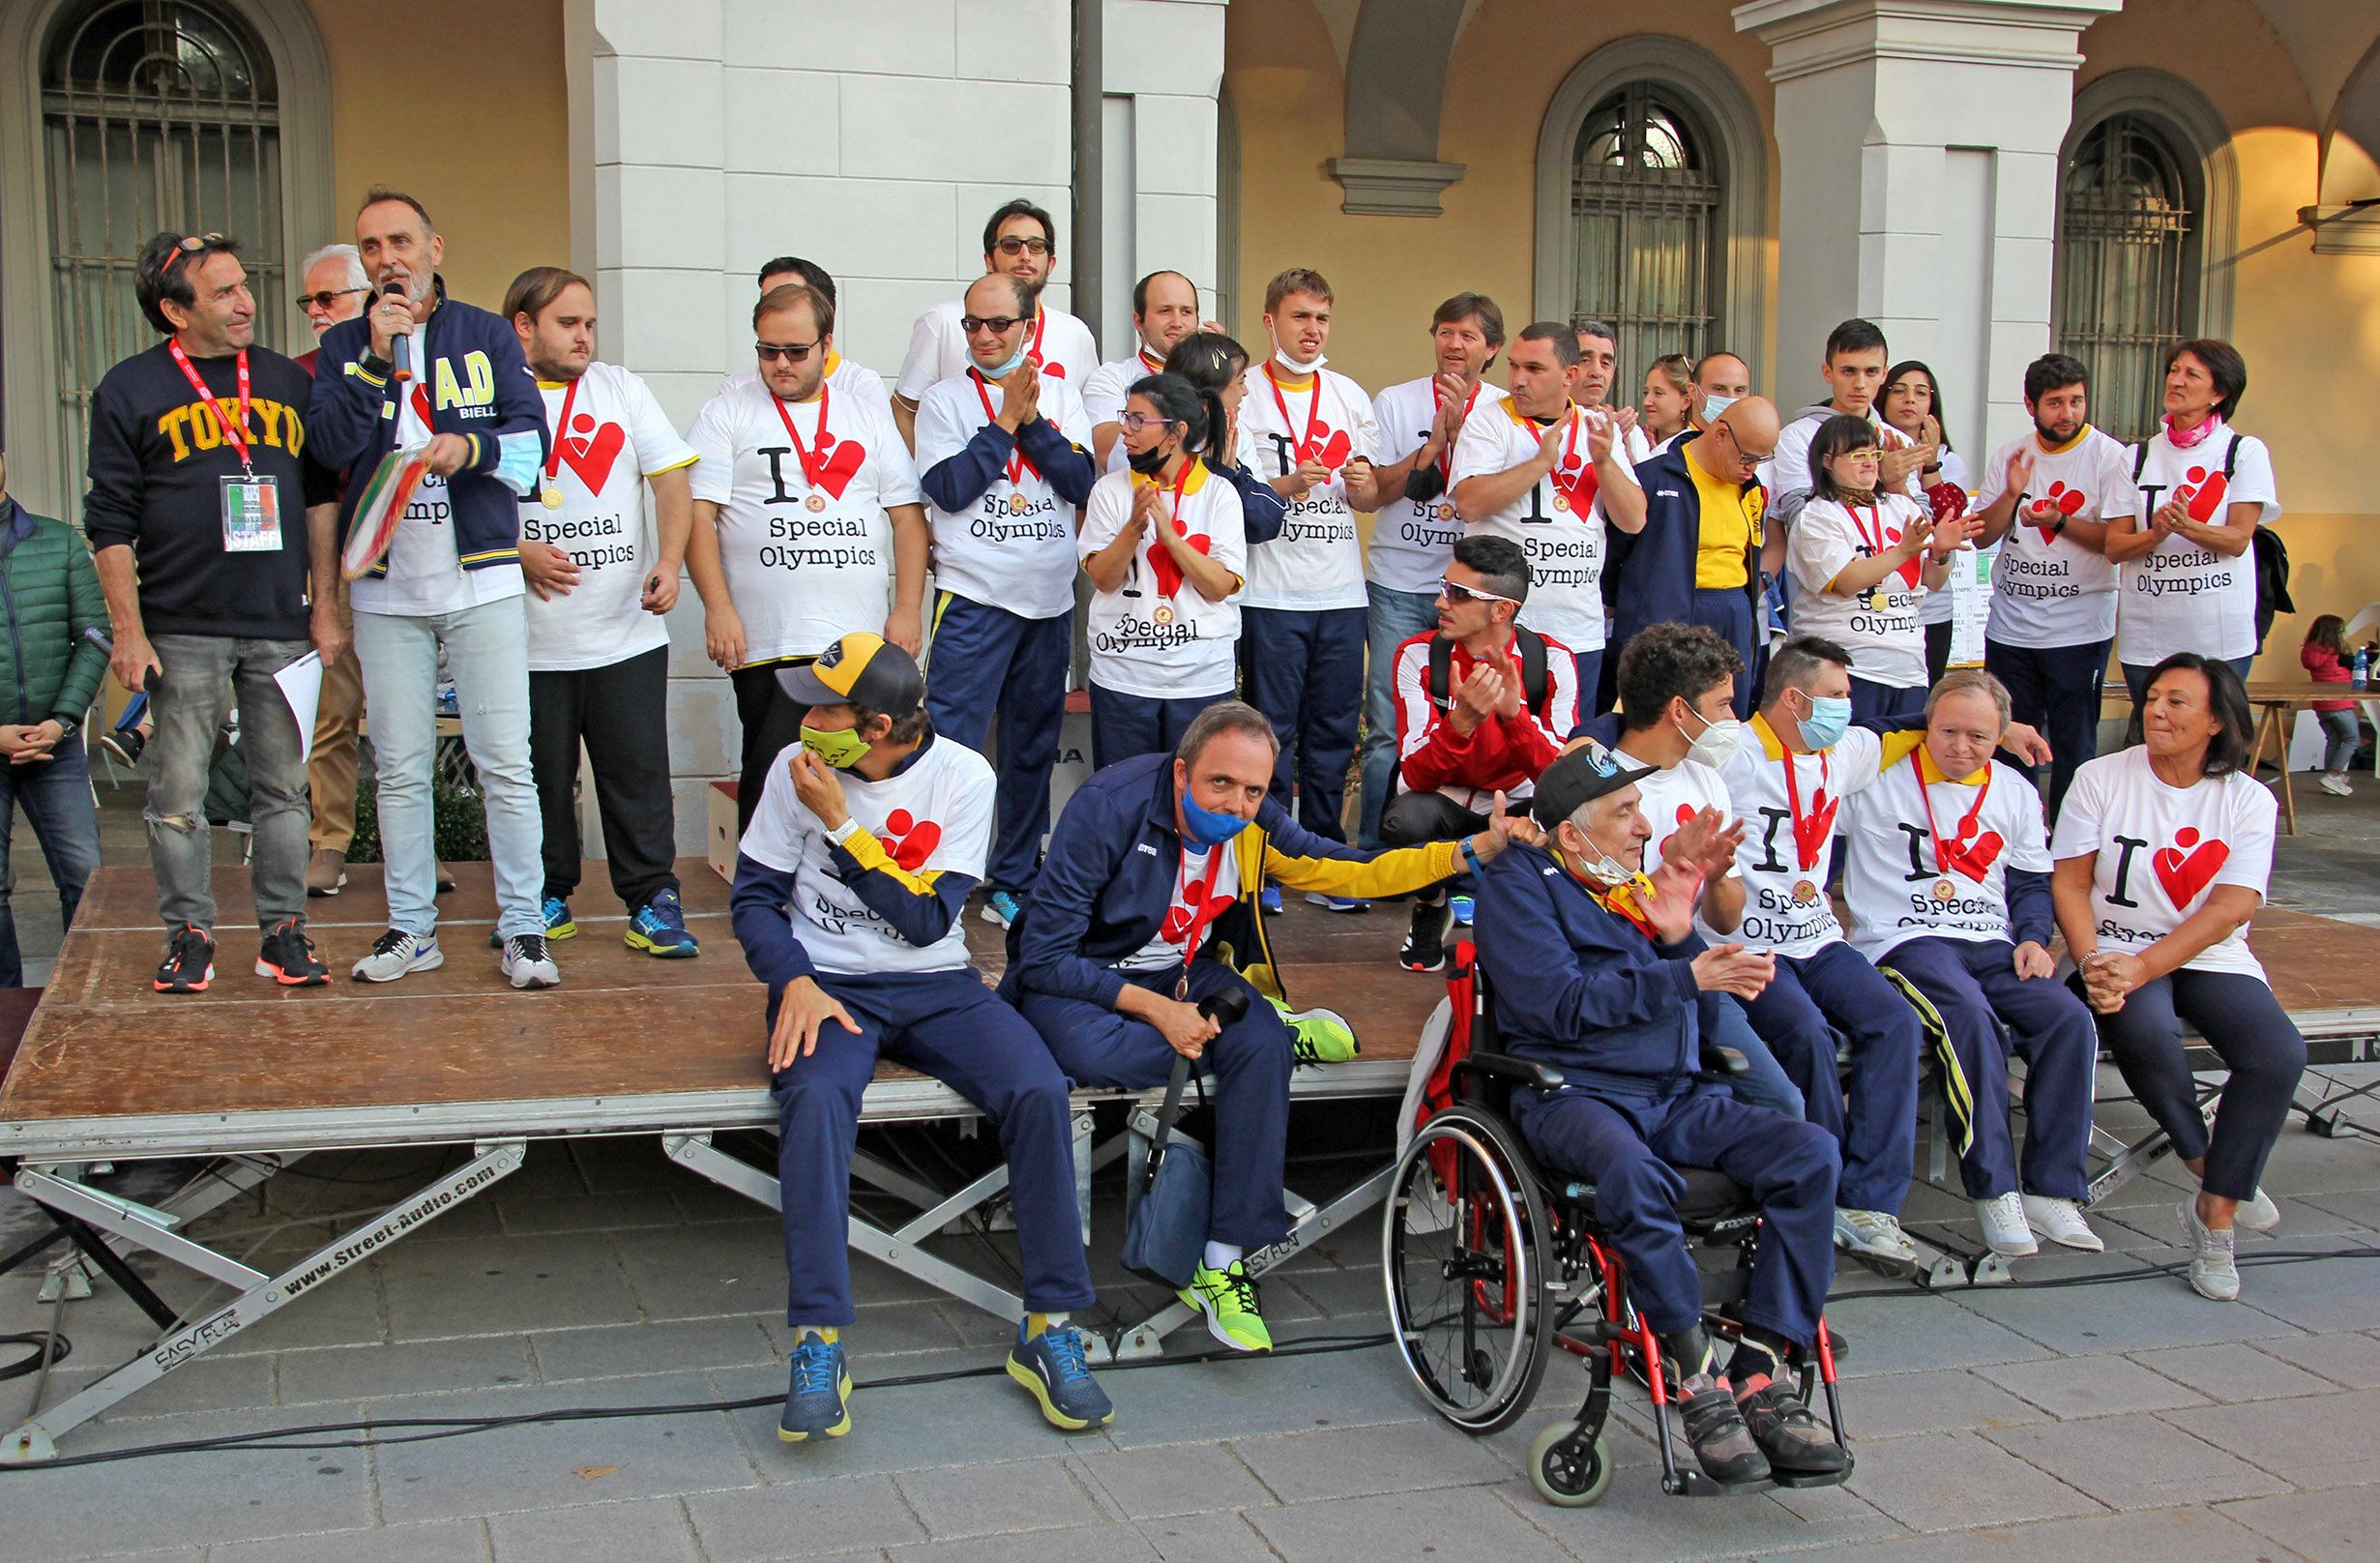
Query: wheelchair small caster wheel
x=1568 y=1471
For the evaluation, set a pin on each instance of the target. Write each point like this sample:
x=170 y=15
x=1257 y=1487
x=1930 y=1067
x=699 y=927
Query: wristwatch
x=2059 y=525
x=68 y=726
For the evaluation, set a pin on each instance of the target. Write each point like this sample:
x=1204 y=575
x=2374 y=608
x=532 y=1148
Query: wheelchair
x=1490 y=1267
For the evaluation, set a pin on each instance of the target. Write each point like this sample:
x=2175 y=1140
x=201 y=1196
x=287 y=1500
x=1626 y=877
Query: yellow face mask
x=841 y=749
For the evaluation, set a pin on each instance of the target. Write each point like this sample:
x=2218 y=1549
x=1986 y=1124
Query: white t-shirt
x=2161 y=850
x=2048 y=590
x=1205 y=884
x=1157 y=635
x=1670 y=798
x=2181 y=597
x=1014 y=548
x=805 y=565
x=1893 y=882
x=618 y=436
x=1559 y=523
x=1106 y=388
x=933 y=816
x=1413 y=540
x=1316 y=562
x=1888 y=642
x=1936 y=608
x=1784 y=862
x=846 y=380
x=1060 y=345
x=424 y=576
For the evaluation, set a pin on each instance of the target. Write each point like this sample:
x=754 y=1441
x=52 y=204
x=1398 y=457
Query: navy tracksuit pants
x=1630 y=1149
x=949 y=1025
x=2055 y=689
x=985 y=658
x=1249 y=1063
x=1798 y=1015
x=1123 y=725
x=1974 y=987
x=1305 y=670
x=1728 y=610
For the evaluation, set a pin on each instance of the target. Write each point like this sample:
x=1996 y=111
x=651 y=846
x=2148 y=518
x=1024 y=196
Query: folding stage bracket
x=148 y=1228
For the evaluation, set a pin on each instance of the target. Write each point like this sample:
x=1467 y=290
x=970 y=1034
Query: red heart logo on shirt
x=1330 y=445
x=1686 y=811
x=1909 y=569
x=1580 y=483
x=591 y=455
x=1056 y=371
x=841 y=464
x=913 y=840
x=2185 y=868
x=1162 y=562
x=1975 y=858
x=2059 y=500
x=1810 y=831
x=2201 y=494
x=1177 y=924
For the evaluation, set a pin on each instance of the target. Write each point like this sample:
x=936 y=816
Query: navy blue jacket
x=957 y=482
x=1584 y=989
x=1648 y=574
x=479 y=386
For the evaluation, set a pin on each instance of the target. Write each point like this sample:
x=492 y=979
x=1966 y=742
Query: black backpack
x=1533 y=682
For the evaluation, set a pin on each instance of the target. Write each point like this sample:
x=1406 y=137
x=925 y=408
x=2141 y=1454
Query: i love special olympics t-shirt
x=2161 y=850
x=1060 y=345
x=807 y=563
x=617 y=436
x=1316 y=562
x=1413 y=540
x=1559 y=523
x=1886 y=640
x=2181 y=597
x=1670 y=798
x=1789 y=833
x=2048 y=590
x=933 y=815
x=1157 y=635
x=1205 y=884
x=1900 y=884
x=1015 y=546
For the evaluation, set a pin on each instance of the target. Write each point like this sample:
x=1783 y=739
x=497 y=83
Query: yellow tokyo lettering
x=203 y=433
x=169 y=423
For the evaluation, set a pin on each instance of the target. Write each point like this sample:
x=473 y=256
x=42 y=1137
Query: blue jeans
x=55 y=795
x=1396 y=617
x=487 y=652
x=2342 y=737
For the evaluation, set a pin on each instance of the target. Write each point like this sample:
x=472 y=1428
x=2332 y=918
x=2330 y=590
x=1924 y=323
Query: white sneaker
x=394 y=953
x=2212 y=1274
x=2061 y=1221
x=2258 y=1215
x=2336 y=785
x=527 y=964
x=1873 y=1234
x=2003 y=1220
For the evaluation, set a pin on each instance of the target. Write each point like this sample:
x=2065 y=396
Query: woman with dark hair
x=1165 y=546
x=2188 y=558
x=1912 y=403
x=1211 y=361
x=2163 y=853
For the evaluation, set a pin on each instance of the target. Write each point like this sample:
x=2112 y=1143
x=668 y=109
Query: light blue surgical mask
x=1009 y=367
x=1205 y=826
x=1713 y=406
x=1828 y=718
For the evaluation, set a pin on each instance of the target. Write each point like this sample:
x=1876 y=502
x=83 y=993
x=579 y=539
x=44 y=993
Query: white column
x=1918 y=144
x=1168 y=57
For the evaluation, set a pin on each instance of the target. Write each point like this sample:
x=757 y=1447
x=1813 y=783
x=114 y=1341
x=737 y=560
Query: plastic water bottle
x=2363 y=667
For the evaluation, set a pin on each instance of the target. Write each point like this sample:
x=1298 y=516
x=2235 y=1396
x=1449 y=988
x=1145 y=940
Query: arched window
x=2126 y=260
x=156 y=114
x=1645 y=200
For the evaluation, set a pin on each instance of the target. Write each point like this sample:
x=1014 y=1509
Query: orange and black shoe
x=189 y=962
x=288 y=958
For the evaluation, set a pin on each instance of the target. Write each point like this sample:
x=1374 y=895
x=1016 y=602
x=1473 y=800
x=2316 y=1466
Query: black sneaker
x=1722 y=1442
x=189 y=964
x=124 y=745
x=1788 y=1434
x=287 y=957
x=1425 y=948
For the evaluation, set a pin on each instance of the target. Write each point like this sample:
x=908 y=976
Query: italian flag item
x=381 y=507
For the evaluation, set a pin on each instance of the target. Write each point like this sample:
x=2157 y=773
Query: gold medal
x=817 y=502
x=1945 y=891
x=1561 y=500
x=1164 y=615
x=1878 y=600
x=551 y=497
x=1803 y=892
x=1017 y=504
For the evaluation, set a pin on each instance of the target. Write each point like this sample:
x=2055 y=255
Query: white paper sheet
x=300 y=685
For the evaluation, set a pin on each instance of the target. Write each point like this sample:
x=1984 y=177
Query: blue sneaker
x=659 y=929
x=559 y=923
x=1002 y=909
x=1051 y=1366
x=1270 y=901
x=1462 y=909
x=817 y=1404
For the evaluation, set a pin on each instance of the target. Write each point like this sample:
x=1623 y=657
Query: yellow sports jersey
x=1731 y=527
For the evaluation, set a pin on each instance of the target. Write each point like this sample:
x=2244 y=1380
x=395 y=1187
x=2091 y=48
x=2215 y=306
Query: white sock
x=1222 y=1256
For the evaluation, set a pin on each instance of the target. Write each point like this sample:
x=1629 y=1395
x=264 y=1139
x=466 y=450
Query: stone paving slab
x=2338 y=1526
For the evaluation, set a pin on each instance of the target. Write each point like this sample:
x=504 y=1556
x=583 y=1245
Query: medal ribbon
x=553 y=459
x=1033 y=348
x=1199 y=915
x=1944 y=862
x=1018 y=464
x=1628 y=900
x=1807 y=841
x=1311 y=441
x=813 y=467
x=1446 y=458
x=234 y=434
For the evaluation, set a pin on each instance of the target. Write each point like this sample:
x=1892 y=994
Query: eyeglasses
x=1134 y=422
x=996 y=324
x=1744 y=457
x=791 y=352
x=1471 y=594
x=1013 y=246
x=322 y=300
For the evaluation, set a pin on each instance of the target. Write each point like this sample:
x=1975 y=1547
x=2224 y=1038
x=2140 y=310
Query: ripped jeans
x=204 y=675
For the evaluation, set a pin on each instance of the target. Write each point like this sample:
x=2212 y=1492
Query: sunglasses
x=1014 y=246
x=1471 y=594
x=323 y=300
x=189 y=247
x=996 y=324
x=791 y=352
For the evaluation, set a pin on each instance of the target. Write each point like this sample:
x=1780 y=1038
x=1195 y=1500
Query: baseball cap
x=860 y=670
x=1581 y=775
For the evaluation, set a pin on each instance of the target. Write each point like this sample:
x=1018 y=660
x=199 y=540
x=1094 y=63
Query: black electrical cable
x=43 y=1343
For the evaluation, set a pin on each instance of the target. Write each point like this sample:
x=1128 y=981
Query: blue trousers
x=55 y=795
x=2055 y=689
x=985 y=658
x=1974 y=987
x=1869 y=700
x=1123 y=725
x=1393 y=618
x=1765 y=1084
x=1305 y=670
x=1249 y=1063
x=1631 y=1150
x=1725 y=610
x=949 y=1025
x=1590 y=665
x=1799 y=1014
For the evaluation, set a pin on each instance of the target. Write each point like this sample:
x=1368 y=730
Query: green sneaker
x=1228 y=1299
x=1319 y=1036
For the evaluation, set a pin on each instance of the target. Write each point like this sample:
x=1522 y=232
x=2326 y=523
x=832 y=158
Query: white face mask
x=1281 y=356
x=1713 y=406
x=1606 y=870
x=1718 y=744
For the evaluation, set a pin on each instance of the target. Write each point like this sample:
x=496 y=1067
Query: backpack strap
x=2231 y=456
x=1533 y=683
x=2140 y=458
x=1441 y=669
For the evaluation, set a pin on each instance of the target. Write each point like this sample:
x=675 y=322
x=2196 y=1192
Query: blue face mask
x=1205 y=826
x=1008 y=368
x=1830 y=718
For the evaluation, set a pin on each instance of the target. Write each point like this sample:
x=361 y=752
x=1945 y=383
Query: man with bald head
x=1721 y=381
x=1697 y=560
x=1164 y=310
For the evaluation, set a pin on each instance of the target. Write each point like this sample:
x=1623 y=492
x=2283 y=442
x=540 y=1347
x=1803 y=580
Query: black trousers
x=620 y=713
x=771 y=720
x=1412 y=819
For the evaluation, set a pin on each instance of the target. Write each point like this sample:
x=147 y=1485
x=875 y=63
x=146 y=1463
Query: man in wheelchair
x=1594 y=968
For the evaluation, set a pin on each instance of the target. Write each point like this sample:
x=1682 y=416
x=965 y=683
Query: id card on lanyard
x=250 y=506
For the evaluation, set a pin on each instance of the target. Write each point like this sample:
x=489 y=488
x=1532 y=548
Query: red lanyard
x=234 y=434
x=1312 y=440
x=1966 y=826
x=562 y=425
x=1018 y=464
x=813 y=467
x=1446 y=458
x=1805 y=842
x=1033 y=348
x=1876 y=515
x=1201 y=914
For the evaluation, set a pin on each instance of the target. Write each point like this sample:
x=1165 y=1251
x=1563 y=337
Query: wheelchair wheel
x=1569 y=1470
x=1463 y=1254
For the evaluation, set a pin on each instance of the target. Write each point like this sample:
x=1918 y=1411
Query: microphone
x=1225 y=1008
x=401 y=348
